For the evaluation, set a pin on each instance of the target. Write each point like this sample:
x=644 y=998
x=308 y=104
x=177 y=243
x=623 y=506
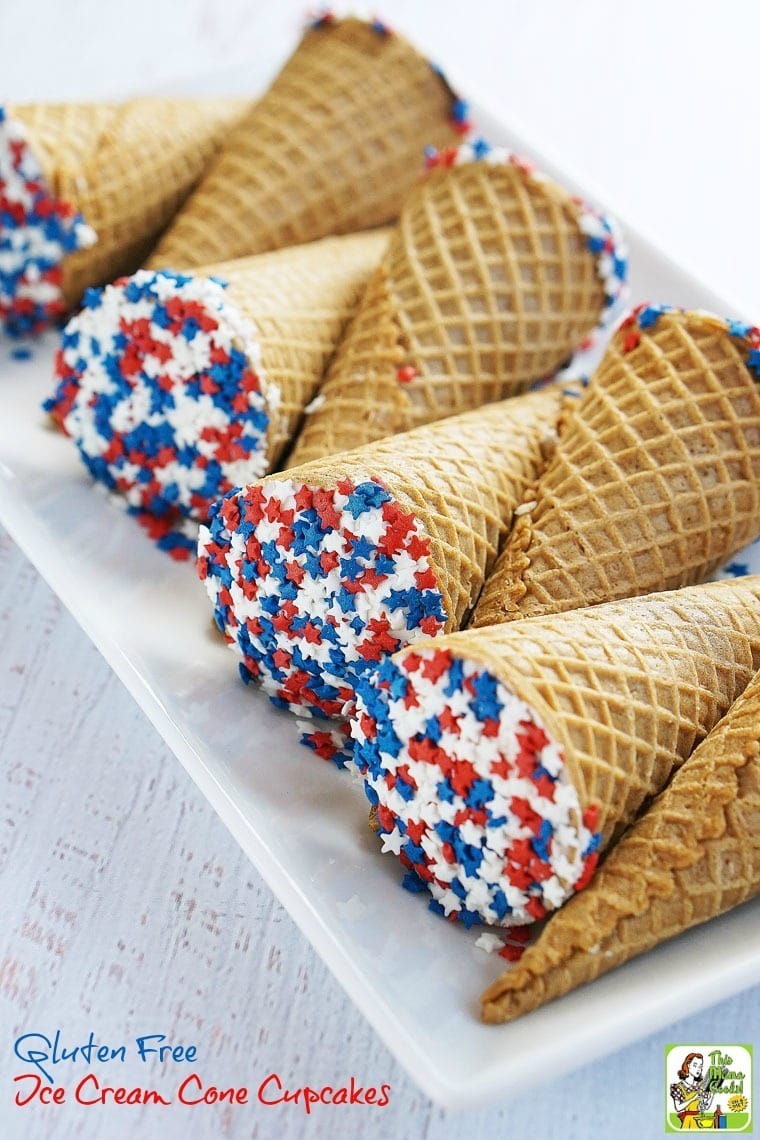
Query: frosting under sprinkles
x=312 y=586
x=160 y=386
x=37 y=232
x=471 y=791
x=603 y=235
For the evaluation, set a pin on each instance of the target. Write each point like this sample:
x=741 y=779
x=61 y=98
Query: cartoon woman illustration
x=689 y=1094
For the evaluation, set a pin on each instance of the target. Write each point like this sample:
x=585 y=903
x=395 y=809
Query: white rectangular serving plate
x=415 y=977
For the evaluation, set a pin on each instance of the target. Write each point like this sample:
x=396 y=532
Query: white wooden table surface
x=126 y=907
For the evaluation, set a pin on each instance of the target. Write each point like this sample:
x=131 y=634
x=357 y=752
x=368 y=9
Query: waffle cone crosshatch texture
x=333 y=146
x=493 y=278
x=655 y=482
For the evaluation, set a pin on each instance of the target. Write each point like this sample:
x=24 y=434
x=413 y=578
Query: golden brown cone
x=299 y=301
x=126 y=168
x=693 y=855
x=487 y=286
x=627 y=689
x=333 y=146
x=461 y=477
x=655 y=482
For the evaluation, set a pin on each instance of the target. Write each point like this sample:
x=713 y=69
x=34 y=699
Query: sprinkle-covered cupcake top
x=604 y=237
x=162 y=390
x=37 y=232
x=313 y=585
x=471 y=790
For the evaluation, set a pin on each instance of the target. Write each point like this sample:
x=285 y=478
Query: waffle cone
x=461 y=477
x=693 y=855
x=627 y=689
x=126 y=168
x=332 y=147
x=299 y=300
x=655 y=482
x=487 y=285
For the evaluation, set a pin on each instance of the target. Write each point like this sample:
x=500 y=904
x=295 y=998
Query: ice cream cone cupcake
x=317 y=573
x=492 y=279
x=176 y=389
x=85 y=190
x=502 y=760
x=656 y=479
x=333 y=146
x=694 y=854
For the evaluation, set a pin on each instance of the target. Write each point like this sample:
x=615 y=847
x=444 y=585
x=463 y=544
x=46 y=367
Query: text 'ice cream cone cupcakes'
x=502 y=760
x=655 y=482
x=492 y=279
x=694 y=854
x=317 y=573
x=333 y=146
x=176 y=389
x=85 y=190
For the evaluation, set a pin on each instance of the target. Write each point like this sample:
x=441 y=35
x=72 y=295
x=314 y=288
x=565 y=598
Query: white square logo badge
x=708 y=1087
